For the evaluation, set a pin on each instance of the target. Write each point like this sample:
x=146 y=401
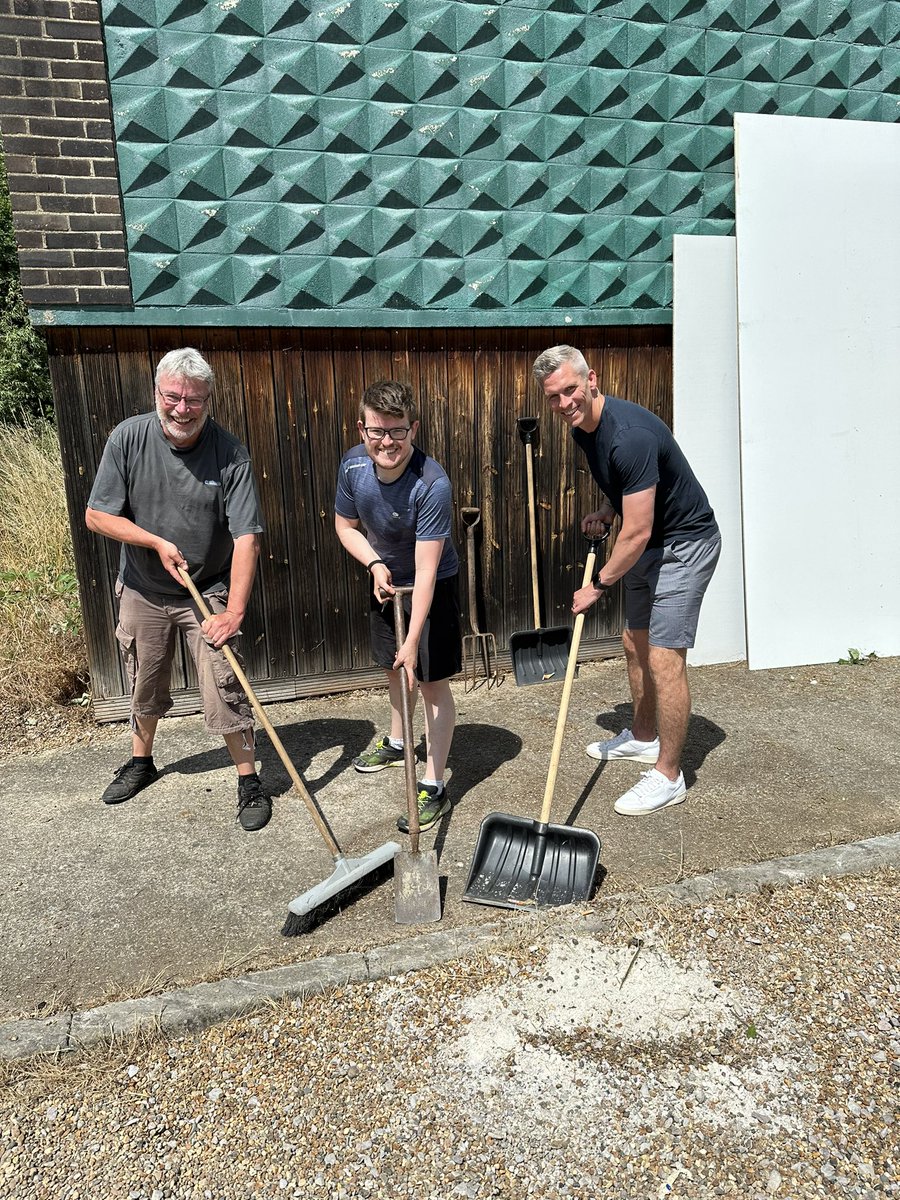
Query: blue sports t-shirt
x=417 y=507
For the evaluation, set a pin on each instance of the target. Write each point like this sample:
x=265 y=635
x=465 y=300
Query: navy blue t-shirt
x=416 y=507
x=631 y=450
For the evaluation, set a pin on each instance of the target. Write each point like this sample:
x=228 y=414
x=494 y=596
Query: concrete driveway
x=166 y=890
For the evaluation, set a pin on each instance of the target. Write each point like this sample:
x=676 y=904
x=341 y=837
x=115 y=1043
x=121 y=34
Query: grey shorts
x=665 y=587
x=146 y=635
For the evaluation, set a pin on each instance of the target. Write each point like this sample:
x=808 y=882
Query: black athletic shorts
x=440 y=646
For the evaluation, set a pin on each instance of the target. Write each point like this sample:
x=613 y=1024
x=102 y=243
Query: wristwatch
x=599 y=585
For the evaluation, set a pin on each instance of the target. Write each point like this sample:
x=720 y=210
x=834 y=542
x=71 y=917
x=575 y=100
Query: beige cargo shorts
x=146 y=634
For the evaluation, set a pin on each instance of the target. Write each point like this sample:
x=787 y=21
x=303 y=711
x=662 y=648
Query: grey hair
x=185 y=363
x=551 y=360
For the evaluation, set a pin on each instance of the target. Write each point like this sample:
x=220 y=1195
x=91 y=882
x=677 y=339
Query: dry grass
x=42 y=654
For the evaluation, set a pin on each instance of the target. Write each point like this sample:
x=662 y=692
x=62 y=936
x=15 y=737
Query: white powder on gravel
x=560 y=1042
x=588 y=986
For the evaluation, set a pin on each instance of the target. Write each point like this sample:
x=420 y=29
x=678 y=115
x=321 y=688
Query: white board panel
x=707 y=427
x=818 y=258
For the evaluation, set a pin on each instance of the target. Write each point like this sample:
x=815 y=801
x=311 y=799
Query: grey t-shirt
x=201 y=499
x=417 y=507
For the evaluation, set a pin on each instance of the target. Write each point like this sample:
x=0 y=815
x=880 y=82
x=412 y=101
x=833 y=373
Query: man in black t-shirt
x=177 y=490
x=666 y=552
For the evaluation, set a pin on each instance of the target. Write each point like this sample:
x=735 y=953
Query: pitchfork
x=476 y=645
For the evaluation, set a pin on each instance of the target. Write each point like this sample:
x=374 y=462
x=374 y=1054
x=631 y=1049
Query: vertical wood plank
x=350 y=383
x=328 y=440
x=490 y=448
x=520 y=401
x=136 y=370
x=102 y=397
x=461 y=412
x=430 y=359
x=268 y=637
x=661 y=384
x=378 y=355
x=96 y=558
x=302 y=527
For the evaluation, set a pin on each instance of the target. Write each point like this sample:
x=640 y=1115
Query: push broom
x=346 y=871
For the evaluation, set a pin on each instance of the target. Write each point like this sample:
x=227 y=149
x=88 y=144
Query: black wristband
x=599 y=585
x=375 y=562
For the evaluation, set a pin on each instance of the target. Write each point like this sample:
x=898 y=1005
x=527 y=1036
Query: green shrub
x=25 y=391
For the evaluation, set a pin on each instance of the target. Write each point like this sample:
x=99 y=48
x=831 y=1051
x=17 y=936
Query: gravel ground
x=749 y=1047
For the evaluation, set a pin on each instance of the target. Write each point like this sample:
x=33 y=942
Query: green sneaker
x=432 y=806
x=380 y=756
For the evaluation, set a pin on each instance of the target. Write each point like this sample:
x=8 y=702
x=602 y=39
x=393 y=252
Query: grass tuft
x=42 y=651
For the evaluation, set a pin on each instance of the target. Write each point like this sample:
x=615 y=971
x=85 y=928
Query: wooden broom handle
x=532 y=535
x=566 y=693
x=318 y=819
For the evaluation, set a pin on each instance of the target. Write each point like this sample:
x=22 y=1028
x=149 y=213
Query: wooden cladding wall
x=291 y=396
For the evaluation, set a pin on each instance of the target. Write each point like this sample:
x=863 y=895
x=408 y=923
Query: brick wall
x=58 y=143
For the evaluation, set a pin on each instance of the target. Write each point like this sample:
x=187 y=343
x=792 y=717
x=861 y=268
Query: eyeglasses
x=397 y=434
x=192 y=402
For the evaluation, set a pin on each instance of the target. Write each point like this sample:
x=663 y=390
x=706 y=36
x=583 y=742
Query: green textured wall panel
x=440 y=161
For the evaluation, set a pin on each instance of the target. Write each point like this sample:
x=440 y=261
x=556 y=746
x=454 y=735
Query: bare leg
x=440 y=721
x=242 y=750
x=396 y=696
x=669 y=671
x=640 y=679
x=142 y=735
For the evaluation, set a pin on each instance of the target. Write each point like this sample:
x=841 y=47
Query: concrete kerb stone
x=190 y=1009
x=856 y=858
x=25 y=1039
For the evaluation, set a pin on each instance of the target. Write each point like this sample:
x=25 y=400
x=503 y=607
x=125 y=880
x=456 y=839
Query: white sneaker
x=625 y=745
x=651 y=792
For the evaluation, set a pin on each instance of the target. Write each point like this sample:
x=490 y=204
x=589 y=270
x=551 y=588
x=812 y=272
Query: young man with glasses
x=393 y=512
x=177 y=490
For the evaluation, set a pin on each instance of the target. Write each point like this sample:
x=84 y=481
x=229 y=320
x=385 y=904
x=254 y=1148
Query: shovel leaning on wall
x=539 y=655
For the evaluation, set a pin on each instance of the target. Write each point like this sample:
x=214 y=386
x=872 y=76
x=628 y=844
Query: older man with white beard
x=177 y=490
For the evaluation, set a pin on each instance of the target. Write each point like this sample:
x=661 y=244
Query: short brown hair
x=391 y=397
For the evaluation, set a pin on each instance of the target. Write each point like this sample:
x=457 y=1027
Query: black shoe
x=254 y=805
x=130 y=779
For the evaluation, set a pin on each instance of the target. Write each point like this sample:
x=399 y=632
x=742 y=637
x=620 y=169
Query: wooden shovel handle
x=532 y=535
x=567 y=691
x=409 y=761
x=299 y=787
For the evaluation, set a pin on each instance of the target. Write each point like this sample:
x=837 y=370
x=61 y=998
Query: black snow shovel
x=523 y=863
x=539 y=655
